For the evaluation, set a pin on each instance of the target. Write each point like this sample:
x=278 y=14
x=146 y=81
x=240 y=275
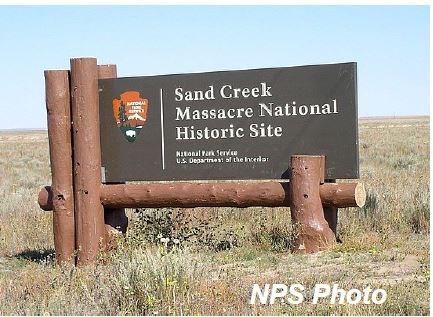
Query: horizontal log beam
x=342 y=195
x=45 y=198
x=242 y=194
x=196 y=195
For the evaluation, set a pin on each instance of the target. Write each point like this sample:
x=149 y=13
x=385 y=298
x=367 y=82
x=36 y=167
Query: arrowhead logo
x=130 y=114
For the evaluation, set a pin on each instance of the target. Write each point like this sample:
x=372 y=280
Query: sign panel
x=229 y=125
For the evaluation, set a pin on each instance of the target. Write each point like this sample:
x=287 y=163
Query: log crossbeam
x=188 y=195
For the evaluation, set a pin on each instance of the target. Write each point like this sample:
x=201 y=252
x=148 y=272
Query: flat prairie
x=204 y=261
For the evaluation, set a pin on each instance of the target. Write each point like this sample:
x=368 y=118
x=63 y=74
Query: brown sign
x=229 y=125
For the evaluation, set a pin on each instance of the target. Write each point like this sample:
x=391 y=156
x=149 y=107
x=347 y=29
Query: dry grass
x=385 y=244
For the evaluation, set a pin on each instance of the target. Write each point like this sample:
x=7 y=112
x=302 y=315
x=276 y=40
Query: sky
x=389 y=43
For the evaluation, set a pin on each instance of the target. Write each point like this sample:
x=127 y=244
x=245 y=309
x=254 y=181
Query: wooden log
x=107 y=71
x=59 y=138
x=311 y=232
x=45 y=198
x=156 y=195
x=180 y=194
x=343 y=194
x=115 y=219
x=89 y=213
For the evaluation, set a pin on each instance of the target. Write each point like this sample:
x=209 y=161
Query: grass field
x=213 y=256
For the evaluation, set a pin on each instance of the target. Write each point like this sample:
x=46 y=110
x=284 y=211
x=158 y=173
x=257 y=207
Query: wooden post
x=59 y=138
x=107 y=71
x=311 y=232
x=115 y=219
x=89 y=213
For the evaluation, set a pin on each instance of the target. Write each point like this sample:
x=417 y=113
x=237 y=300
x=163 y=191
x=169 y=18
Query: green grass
x=222 y=252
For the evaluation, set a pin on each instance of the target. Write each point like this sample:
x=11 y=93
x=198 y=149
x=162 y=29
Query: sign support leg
x=89 y=212
x=59 y=137
x=331 y=213
x=311 y=232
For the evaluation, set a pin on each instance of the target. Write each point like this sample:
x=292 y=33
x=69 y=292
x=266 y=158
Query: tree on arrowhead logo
x=130 y=113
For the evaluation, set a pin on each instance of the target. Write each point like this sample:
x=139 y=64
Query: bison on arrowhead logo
x=130 y=113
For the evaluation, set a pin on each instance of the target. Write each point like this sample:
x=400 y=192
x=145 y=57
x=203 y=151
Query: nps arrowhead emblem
x=130 y=114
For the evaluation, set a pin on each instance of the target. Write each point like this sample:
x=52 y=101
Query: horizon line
x=360 y=118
